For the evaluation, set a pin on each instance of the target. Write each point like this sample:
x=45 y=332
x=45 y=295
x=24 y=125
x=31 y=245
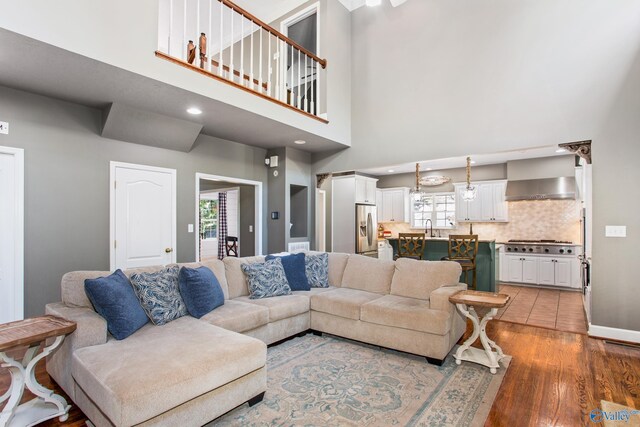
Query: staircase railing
x=219 y=39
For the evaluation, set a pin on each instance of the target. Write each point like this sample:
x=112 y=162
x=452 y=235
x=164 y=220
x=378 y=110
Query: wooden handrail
x=278 y=34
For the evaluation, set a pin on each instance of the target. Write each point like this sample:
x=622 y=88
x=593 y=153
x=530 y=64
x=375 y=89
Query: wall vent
x=298 y=246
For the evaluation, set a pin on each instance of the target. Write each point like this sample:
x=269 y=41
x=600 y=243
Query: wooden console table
x=466 y=301
x=31 y=333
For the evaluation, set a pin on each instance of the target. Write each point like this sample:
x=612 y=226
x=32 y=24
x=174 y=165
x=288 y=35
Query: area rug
x=329 y=381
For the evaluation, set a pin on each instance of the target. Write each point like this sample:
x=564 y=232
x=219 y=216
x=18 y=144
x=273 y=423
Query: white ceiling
x=355 y=4
x=460 y=162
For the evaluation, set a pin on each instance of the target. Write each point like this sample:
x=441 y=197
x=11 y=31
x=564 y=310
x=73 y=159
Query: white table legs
x=486 y=357
x=45 y=405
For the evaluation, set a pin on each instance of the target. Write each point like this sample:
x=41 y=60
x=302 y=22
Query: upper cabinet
x=489 y=205
x=393 y=205
x=365 y=189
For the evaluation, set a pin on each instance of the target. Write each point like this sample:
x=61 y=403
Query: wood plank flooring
x=555 y=379
x=547 y=308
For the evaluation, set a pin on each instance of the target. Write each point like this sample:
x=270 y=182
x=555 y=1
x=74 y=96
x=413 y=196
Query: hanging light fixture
x=417 y=192
x=471 y=191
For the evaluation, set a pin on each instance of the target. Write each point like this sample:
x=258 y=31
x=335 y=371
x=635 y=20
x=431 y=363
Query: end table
x=466 y=301
x=31 y=333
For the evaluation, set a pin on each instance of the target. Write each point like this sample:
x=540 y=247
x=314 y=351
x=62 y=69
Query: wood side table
x=32 y=333
x=466 y=301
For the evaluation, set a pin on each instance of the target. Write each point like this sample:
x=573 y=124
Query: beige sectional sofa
x=190 y=371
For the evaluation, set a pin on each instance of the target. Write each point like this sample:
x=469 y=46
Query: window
x=440 y=208
x=208 y=219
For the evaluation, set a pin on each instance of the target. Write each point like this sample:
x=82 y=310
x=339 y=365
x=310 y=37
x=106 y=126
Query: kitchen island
x=436 y=248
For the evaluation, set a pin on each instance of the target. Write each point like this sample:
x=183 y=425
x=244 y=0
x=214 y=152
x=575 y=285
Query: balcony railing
x=221 y=40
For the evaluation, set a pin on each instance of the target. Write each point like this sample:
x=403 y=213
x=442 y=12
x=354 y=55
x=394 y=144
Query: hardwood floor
x=555 y=379
x=547 y=308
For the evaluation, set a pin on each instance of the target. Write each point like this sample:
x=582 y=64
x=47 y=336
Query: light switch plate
x=251 y=229
x=4 y=128
x=615 y=231
x=190 y=228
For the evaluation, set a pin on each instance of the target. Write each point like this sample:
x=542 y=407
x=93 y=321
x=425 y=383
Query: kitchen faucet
x=429 y=225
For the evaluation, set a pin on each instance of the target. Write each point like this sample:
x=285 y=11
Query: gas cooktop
x=541 y=241
x=544 y=247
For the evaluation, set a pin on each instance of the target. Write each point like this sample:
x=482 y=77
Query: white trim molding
x=18 y=265
x=614 y=333
x=258 y=207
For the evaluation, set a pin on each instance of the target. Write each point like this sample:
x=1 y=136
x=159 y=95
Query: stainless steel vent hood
x=542 y=189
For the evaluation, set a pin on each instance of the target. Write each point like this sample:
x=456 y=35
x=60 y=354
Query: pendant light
x=470 y=191
x=417 y=192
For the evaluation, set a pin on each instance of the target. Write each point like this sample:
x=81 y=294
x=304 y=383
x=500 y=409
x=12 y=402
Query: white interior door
x=11 y=234
x=143 y=216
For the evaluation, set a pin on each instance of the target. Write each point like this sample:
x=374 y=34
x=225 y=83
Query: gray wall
x=545 y=167
x=247 y=199
x=478 y=173
x=67 y=186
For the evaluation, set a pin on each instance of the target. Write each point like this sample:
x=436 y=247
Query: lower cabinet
x=542 y=270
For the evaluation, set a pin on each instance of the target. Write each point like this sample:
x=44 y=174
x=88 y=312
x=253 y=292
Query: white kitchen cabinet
x=563 y=272
x=489 y=205
x=542 y=270
x=385 y=250
x=522 y=269
x=379 y=204
x=546 y=271
x=365 y=189
x=394 y=206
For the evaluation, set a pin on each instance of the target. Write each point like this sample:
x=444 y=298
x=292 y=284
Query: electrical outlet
x=4 y=128
x=190 y=228
x=615 y=231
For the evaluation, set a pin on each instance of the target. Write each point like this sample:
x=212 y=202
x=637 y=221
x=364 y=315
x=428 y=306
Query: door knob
x=168 y=250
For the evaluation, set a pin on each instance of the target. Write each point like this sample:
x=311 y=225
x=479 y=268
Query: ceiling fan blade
x=396 y=3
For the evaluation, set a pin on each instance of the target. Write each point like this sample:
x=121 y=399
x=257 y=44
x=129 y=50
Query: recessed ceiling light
x=391 y=171
x=373 y=2
x=561 y=150
x=300 y=142
x=473 y=162
x=195 y=111
x=429 y=169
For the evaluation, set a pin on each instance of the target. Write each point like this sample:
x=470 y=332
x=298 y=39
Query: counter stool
x=410 y=245
x=463 y=249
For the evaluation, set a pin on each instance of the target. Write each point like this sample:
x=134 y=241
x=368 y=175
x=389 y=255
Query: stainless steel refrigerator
x=366 y=230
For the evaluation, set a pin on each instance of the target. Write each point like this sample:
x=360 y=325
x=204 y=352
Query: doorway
x=142 y=216
x=321 y=220
x=12 y=232
x=228 y=211
x=298 y=72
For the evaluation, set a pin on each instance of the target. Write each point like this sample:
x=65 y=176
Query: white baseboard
x=614 y=333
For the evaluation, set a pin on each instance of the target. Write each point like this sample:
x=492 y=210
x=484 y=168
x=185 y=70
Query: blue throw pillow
x=114 y=299
x=159 y=295
x=317 y=268
x=200 y=290
x=266 y=279
x=294 y=268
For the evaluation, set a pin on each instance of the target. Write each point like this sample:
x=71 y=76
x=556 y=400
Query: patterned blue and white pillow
x=317 y=269
x=159 y=295
x=266 y=279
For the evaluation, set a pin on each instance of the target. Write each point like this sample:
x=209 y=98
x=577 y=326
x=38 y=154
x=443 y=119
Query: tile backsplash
x=528 y=219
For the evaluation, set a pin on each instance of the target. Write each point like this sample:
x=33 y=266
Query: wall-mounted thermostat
x=4 y=128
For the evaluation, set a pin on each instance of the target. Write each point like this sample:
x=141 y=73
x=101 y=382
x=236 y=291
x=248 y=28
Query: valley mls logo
x=598 y=415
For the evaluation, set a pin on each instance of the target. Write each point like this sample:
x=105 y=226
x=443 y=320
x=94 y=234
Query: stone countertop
x=444 y=239
x=539 y=243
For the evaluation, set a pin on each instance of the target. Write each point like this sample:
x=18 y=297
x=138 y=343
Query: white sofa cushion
x=368 y=274
x=238 y=316
x=343 y=302
x=281 y=307
x=161 y=367
x=406 y=313
x=417 y=279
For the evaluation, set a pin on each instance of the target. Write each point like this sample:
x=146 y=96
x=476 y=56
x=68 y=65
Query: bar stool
x=231 y=246
x=463 y=249
x=410 y=245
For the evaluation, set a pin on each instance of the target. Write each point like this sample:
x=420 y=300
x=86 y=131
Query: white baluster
x=184 y=32
x=251 y=84
x=221 y=63
x=260 y=63
x=242 y=50
x=291 y=97
x=306 y=80
x=269 y=66
x=170 y=26
x=313 y=91
x=231 y=58
x=278 y=94
x=299 y=85
x=210 y=40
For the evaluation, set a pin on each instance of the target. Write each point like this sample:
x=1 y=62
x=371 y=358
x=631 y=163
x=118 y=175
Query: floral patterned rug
x=330 y=381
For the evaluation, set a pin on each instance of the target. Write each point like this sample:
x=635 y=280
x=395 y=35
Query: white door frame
x=321 y=220
x=258 y=204
x=112 y=206
x=284 y=29
x=216 y=191
x=18 y=266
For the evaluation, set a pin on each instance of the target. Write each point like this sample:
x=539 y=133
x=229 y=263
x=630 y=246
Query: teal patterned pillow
x=266 y=279
x=317 y=269
x=159 y=295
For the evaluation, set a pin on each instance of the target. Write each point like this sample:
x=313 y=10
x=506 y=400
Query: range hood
x=542 y=189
